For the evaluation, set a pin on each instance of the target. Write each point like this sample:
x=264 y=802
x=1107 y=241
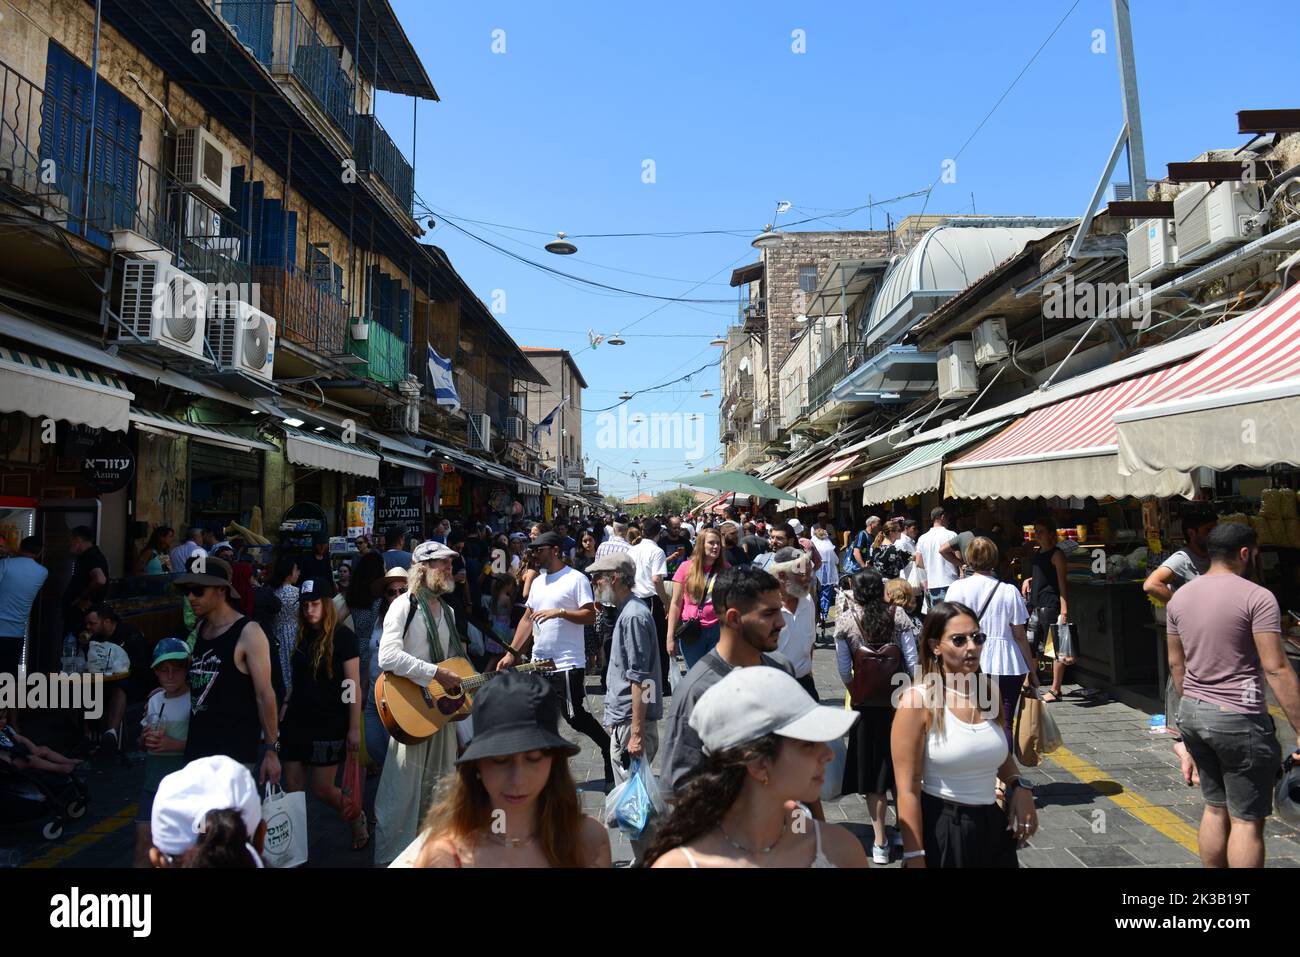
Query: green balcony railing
x=385 y=355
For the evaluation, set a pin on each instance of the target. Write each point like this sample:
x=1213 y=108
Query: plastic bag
x=107 y=658
x=354 y=782
x=635 y=803
x=833 y=785
x=1049 y=735
x=917 y=579
x=285 y=815
x=675 y=674
x=1066 y=642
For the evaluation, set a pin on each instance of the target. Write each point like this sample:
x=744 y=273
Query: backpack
x=874 y=667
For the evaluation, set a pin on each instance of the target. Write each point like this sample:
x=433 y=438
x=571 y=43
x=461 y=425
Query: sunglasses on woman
x=394 y=592
x=959 y=641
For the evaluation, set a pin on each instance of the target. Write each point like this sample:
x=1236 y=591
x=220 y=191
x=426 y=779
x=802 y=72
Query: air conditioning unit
x=1152 y=252
x=1208 y=220
x=243 y=338
x=162 y=309
x=203 y=163
x=990 y=341
x=515 y=428
x=480 y=431
x=957 y=375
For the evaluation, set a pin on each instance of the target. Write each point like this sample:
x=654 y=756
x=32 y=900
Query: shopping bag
x=1065 y=641
x=1049 y=738
x=917 y=579
x=354 y=782
x=675 y=674
x=285 y=815
x=1028 y=730
x=107 y=658
x=633 y=804
x=833 y=784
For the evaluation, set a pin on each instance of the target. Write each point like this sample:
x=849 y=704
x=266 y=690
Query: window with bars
x=808 y=278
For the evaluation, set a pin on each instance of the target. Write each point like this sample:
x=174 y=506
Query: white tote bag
x=285 y=815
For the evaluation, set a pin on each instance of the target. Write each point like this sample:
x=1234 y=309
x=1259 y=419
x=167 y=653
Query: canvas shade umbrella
x=741 y=483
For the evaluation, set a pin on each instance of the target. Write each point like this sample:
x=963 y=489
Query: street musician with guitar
x=419 y=631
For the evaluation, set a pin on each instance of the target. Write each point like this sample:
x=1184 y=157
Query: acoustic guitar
x=412 y=713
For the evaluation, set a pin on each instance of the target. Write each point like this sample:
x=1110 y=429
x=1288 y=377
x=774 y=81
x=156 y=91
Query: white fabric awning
x=921 y=470
x=148 y=421
x=1235 y=404
x=43 y=388
x=318 y=452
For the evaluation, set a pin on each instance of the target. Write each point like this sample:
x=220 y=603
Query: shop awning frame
x=815 y=489
x=1234 y=405
x=146 y=420
x=43 y=388
x=921 y=469
x=331 y=455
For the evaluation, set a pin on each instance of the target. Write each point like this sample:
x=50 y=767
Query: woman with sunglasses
x=949 y=753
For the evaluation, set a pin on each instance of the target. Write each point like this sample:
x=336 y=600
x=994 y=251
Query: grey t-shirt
x=1185 y=567
x=633 y=658
x=682 y=753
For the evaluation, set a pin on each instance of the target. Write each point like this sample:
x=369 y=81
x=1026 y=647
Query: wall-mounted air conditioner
x=990 y=341
x=515 y=428
x=1208 y=220
x=162 y=309
x=203 y=163
x=1152 y=252
x=243 y=338
x=480 y=431
x=957 y=374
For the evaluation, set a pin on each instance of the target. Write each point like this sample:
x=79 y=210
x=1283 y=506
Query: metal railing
x=376 y=153
x=281 y=38
x=306 y=312
x=794 y=403
x=385 y=354
x=838 y=364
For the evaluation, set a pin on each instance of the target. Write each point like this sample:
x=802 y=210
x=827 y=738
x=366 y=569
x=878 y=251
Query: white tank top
x=962 y=764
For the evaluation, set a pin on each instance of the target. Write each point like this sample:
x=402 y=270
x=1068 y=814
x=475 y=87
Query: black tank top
x=1047 y=587
x=223 y=704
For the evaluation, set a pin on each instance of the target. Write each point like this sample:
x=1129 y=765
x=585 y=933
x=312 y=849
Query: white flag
x=442 y=382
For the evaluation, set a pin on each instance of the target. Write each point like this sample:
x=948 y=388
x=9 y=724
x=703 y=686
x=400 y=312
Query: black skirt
x=869 y=768
x=960 y=836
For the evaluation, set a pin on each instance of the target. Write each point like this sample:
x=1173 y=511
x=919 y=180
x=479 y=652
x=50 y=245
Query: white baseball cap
x=752 y=702
x=186 y=796
x=431 y=552
x=797 y=526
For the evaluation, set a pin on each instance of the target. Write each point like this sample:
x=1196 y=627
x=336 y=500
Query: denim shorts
x=1237 y=756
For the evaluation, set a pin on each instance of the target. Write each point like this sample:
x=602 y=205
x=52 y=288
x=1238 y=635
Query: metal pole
x=94 y=95
x=1128 y=84
x=1085 y=224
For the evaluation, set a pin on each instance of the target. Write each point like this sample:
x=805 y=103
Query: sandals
x=360 y=832
x=1055 y=696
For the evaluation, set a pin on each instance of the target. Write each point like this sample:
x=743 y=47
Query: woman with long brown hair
x=322 y=713
x=949 y=752
x=512 y=801
x=691 y=612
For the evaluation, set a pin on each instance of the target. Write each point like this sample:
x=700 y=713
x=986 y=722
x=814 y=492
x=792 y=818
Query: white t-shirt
x=905 y=544
x=1000 y=655
x=796 y=641
x=939 y=572
x=650 y=561
x=557 y=639
x=175 y=713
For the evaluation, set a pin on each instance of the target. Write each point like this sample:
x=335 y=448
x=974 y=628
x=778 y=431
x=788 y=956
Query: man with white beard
x=420 y=630
x=793 y=569
x=633 y=698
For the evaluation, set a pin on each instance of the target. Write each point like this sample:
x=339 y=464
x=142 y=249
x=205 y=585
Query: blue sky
x=553 y=133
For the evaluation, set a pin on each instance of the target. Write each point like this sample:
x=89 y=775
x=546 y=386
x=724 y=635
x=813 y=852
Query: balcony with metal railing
x=306 y=311
x=377 y=154
x=795 y=402
x=282 y=39
x=837 y=365
x=384 y=352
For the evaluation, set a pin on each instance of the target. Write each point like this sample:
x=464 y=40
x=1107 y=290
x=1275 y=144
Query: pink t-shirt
x=708 y=617
x=1216 y=617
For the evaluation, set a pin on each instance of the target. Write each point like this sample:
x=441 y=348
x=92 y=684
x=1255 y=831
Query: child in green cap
x=163 y=732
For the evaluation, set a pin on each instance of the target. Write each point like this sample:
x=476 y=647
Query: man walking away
x=633 y=695
x=21 y=578
x=793 y=570
x=1224 y=635
x=180 y=555
x=937 y=553
x=396 y=556
x=559 y=604
x=651 y=571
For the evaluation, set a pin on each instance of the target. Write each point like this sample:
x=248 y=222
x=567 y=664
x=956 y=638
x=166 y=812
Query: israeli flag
x=442 y=382
x=547 y=422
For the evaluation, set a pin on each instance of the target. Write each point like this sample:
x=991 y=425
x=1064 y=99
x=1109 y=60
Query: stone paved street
x=1110 y=798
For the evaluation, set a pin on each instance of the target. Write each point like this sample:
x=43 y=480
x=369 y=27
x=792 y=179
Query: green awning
x=740 y=482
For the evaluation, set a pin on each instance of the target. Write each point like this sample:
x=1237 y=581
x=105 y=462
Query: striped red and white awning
x=1067 y=450
x=815 y=489
x=1234 y=404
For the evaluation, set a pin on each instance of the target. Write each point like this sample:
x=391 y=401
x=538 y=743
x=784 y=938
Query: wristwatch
x=1017 y=783
x=274 y=746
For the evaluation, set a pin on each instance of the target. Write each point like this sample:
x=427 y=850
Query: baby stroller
x=30 y=795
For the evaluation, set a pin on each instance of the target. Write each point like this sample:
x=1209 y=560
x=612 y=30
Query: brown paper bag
x=1029 y=728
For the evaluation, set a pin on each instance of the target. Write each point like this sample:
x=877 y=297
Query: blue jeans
x=701 y=646
x=938 y=595
x=827 y=597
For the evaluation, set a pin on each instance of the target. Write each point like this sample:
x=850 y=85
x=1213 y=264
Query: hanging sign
x=109 y=466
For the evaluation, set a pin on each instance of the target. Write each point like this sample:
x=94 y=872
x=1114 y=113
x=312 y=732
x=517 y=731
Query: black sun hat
x=515 y=713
